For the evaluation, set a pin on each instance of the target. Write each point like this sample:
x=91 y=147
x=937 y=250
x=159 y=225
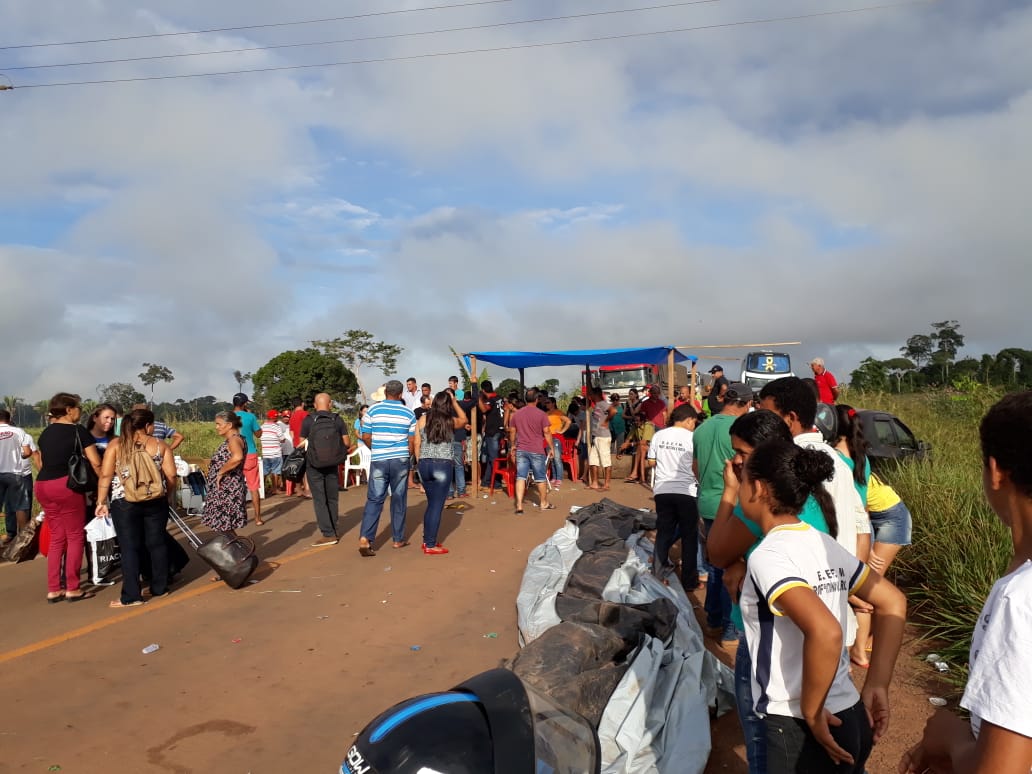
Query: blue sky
x=842 y=181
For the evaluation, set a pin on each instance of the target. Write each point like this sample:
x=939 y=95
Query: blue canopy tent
x=574 y=357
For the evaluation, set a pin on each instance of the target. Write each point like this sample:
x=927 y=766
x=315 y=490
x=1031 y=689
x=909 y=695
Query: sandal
x=519 y=511
x=258 y=522
x=118 y=603
x=632 y=480
x=54 y=600
x=80 y=597
x=401 y=544
x=549 y=507
x=366 y=550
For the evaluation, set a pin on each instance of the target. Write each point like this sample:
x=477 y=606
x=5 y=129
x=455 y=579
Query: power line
x=466 y=52
x=257 y=26
x=366 y=38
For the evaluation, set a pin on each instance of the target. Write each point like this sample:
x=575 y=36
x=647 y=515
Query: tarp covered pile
x=603 y=637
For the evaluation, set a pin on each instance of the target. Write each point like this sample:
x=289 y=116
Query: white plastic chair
x=365 y=458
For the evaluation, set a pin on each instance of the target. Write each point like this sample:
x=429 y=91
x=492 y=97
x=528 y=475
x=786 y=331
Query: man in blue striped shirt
x=388 y=429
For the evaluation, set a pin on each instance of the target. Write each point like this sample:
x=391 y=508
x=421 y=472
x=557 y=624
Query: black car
x=889 y=439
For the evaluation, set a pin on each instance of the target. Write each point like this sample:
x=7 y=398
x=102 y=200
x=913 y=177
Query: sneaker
x=326 y=541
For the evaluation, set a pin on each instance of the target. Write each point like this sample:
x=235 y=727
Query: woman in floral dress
x=225 y=508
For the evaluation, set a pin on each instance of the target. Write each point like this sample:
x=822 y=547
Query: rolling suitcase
x=233 y=559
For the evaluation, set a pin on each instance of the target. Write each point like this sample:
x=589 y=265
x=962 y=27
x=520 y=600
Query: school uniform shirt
x=672 y=449
x=850 y=510
x=999 y=686
x=791 y=556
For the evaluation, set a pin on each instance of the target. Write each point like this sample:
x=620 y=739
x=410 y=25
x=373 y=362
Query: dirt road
x=282 y=674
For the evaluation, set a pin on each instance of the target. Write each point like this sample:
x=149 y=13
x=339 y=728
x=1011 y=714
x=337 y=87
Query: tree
x=871 y=376
x=119 y=394
x=242 y=379
x=153 y=374
x=897 y=368
x=918 y=348
x=356 y=349
x=508 y=385
x=12 y=402
x=549 y=386
x=43 y=407
x=303 y=373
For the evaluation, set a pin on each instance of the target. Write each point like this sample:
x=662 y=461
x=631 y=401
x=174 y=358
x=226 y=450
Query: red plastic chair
x=504 y=466
x=570 y=457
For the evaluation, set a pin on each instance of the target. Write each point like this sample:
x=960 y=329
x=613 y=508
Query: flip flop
x=632 y=480
x=519 y=511
x=549 y=507
x=55 y=600
x=402 y=544
x=366 y=551
x=80 y=597
x=854 y=662
x=118 y=603
x=258 y=523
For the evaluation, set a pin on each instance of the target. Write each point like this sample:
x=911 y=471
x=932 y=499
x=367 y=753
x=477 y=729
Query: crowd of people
x=791 y=531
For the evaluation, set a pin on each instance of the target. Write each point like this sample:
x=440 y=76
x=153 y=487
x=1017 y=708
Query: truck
x=764 y=366
x=621 y=378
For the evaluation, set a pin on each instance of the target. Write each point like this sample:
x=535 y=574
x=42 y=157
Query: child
x=794 y=603
x=998 y=695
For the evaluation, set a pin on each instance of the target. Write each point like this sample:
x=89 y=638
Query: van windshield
x=768 y=363
x=622 y=379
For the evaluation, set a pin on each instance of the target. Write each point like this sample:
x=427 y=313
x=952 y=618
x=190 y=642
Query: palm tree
x=43 y=407
x=11 y=402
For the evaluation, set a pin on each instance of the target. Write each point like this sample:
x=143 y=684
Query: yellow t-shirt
x=880 y=496
x=555 y=419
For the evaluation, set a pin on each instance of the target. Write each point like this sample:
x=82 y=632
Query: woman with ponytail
x=795 y=603
x=852 y=448
x=140 y=524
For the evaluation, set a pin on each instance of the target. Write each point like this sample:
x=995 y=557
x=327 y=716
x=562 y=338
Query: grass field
x=959 y=545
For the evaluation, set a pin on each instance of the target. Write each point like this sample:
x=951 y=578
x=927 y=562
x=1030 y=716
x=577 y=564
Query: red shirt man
x=297 y=416
x=827 y=387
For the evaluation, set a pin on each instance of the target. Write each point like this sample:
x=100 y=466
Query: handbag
x=294 y=465
x=81 y=476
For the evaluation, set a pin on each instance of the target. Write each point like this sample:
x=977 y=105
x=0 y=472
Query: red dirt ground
x=281 y=675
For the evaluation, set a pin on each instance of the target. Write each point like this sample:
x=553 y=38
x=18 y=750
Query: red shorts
x=252 y=472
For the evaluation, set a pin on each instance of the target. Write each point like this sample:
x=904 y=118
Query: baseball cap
x=738 y=391
x=272 y=414
x=715 y=369
x=240 y=399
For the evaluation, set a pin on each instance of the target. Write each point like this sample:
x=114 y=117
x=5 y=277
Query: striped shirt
x=272 y=440
x=162 y=431
x=391 y=423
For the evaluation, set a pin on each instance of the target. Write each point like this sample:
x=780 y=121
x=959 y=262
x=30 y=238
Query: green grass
x=960 y=547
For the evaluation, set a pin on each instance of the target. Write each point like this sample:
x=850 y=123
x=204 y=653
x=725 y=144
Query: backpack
x=325 y=446
x=141 y=479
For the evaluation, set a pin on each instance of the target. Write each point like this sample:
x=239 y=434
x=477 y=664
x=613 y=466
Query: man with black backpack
x=327 y=445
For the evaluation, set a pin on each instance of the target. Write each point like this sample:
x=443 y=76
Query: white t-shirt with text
x=672 y=449
x=792 y=556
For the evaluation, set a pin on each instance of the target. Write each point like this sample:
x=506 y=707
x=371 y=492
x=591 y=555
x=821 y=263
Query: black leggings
x=792 y=749
x=677 y=516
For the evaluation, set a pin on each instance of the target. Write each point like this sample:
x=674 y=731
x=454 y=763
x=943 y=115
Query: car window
x=884 y=433
x=906 y=438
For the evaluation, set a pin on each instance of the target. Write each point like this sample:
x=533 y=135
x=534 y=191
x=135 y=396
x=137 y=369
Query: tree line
x=930 y=360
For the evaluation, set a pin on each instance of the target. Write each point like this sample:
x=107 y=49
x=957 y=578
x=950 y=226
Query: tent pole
x=692 y=383
x=523 y=387
x=474 y=446
x=670 y=381
x=587 y=419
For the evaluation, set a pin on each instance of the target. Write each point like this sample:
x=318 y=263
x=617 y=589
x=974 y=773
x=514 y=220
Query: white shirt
x=672 y=449
x=999 y=686
x=287 y=445
x=791 y=556
x=12 y=442
x=412 y=399
x=27 y=462
x=849 y=508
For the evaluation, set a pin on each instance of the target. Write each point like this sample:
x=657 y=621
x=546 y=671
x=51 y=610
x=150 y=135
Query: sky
x=843 y=181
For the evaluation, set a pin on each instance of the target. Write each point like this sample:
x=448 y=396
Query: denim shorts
x=528 y=461
x=272 y=465
x=893 y=525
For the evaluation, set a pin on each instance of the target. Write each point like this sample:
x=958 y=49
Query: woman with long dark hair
x=433 y=448
x=732 y=538
x=64 y=508
x=795 y=603
x=139 y=523
x=101 y=424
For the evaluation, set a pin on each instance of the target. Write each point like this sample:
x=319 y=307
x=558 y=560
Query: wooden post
x=587 y=421
x=692 y=382
x=474 y=446
x=670 y=381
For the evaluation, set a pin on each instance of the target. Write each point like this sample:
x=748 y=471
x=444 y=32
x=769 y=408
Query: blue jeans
x=436 y=477
x=384 y=474
x=557 y=460
x=490 y=454
x=459 y=468
x=718 y=601
x=754 y=728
